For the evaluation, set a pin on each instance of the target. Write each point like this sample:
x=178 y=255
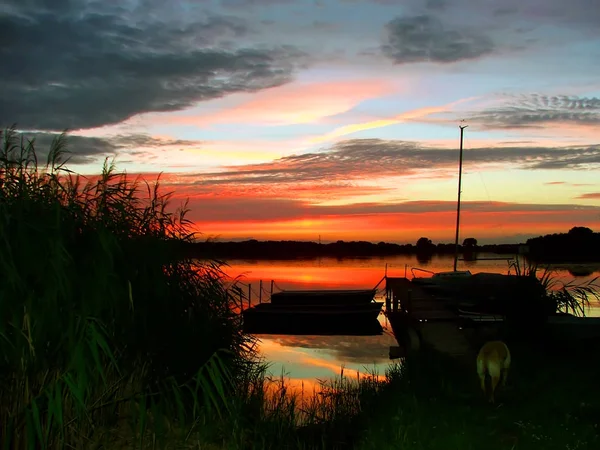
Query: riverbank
x=431 y=402
x=551 y=402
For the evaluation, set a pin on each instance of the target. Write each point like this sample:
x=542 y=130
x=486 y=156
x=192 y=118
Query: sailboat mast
x=462 y=128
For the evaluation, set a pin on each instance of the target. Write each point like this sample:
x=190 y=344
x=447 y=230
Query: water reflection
x=304 y=359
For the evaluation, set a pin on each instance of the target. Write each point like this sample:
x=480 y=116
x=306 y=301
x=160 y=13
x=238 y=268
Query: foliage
x=470 y=243
x=559 y=295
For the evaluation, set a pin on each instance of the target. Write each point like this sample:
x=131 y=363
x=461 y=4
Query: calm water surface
x=305 y=359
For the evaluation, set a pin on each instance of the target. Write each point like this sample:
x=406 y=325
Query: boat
x=453 y=282
x=453 y=274
x=324 y=297
x=313 y=319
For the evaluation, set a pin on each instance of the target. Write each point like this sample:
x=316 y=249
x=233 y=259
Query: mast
x=462 y=128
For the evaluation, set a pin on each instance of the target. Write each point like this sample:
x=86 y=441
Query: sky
x=338 y=119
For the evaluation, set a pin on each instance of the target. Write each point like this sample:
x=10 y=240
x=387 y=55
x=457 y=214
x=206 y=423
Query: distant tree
x=424 y=243
x=581 y=232
x=470 y=243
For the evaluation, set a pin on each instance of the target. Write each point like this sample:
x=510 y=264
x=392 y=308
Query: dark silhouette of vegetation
x=469 y=244
x=580 y=244
x=282 y=250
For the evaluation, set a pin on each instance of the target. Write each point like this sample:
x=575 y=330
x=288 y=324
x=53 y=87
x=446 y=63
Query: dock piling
x=260 y=293
x=249 y=295
x=388 y=297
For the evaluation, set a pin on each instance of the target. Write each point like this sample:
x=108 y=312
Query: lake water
x=303 y=360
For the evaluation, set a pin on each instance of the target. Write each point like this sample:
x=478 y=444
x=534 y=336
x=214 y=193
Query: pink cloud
x=292 y=103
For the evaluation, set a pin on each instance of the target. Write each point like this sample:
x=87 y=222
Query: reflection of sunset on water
x=304 y=359
x=362 y=273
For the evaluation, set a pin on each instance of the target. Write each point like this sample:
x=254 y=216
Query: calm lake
x=303 y=360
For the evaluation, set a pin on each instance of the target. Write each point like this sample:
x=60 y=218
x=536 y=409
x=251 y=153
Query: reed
x=560 y=296
x=100 y=315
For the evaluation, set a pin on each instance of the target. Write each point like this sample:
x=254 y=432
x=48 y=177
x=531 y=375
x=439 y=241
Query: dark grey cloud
x=84 y=149
x=436 y=4
x=76 y=64
x=505 y=11
x=253 y=3
x=424 y=38
x=80 y=149
x=539 y=110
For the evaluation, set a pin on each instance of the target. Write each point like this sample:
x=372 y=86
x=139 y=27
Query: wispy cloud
x=294 y=103
x=412 y=115
x=536 y=111
x=358 y=159
x=589 y=196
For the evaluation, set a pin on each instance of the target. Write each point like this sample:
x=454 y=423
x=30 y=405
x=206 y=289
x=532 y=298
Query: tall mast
x=462 y=128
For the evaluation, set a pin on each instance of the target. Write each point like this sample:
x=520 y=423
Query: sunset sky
x=284 y=119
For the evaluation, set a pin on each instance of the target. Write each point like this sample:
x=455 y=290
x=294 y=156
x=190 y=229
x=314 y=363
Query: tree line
x=579 y=244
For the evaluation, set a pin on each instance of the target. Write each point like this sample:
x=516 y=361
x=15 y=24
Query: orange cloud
x=589 y=196
x=408 y=227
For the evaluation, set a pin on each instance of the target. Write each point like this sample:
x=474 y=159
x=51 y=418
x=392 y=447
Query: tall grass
x=101 y=319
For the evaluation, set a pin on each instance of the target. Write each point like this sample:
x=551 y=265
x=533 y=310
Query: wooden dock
x=409 y=306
